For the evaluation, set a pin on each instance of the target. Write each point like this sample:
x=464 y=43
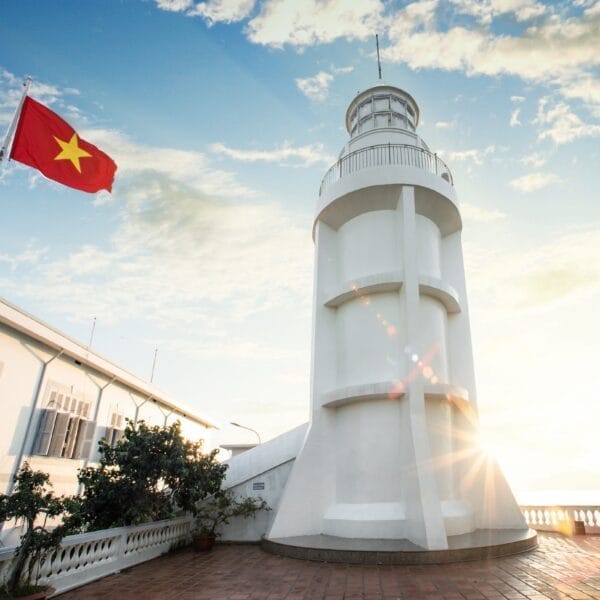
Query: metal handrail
x=386 y=154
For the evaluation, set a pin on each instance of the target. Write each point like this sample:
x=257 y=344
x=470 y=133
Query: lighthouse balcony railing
x=383 y=155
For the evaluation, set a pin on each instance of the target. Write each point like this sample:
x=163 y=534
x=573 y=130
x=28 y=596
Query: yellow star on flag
x=71 y=151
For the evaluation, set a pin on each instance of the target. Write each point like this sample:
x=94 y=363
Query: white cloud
x=31 y=255
x=535 y=181
x=486 y=10
x=315 y=88
x=445 y=124
x=281 y=22
x=311 y=22
x=535 y=160
x=185 y=166
x=517 y=99
x=540 y=274
x=472 y=212
x=288 y=155
x=11 y=90
x=343 y=70
x=179 y=257
x=174 y=5
x=514 y=118
x=475 y=155
x=560 y=50
x=560 y=124
x=223 y=11
x=583 y=87
x=212 y=11
x=553 y=48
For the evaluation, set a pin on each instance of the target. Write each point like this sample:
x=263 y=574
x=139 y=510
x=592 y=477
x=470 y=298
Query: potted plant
x=31 y=503
x=217 y=510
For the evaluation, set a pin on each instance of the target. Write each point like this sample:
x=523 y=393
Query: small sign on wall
x=258 y=486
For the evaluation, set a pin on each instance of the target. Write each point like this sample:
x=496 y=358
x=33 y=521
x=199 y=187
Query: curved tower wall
x=391 y=452
x=359 y=254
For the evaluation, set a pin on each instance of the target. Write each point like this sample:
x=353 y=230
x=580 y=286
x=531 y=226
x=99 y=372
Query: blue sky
x=224 y=115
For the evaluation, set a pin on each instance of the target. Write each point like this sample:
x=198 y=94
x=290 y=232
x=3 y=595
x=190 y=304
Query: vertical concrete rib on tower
x=391 y=451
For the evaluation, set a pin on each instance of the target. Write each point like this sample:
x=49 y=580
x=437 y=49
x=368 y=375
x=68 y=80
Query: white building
x=59 y=398
x=391 y=456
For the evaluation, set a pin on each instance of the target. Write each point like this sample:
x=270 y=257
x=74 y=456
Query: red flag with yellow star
x=46 y=142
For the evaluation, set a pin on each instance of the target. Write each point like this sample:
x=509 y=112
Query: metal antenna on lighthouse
x=378 y=61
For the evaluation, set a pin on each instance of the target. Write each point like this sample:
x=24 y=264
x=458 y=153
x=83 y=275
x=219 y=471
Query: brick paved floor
x=560 y=568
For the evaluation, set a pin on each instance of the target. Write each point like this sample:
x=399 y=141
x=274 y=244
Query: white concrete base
x=458 y=517
x=382 y=520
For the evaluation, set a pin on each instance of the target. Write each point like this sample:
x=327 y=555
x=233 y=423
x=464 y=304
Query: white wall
x=266 y=466
x=367 y=451
x=428 y=247
x=360 y=252
x=367 y=351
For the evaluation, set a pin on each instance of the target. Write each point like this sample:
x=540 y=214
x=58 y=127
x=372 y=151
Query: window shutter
x=86 y=433
x=44 y=432
x=81 y=431
x=52 y=400
x=117 y=435
x=108 y=434
x=72 y=433
x=108 y=431
x=59 y=434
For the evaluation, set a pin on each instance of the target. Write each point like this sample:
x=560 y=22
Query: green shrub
x=151 y=473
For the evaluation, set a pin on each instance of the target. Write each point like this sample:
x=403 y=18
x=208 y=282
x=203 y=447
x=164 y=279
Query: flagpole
x=13 y=124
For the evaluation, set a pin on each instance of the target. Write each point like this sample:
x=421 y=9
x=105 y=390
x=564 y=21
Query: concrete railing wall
x=566 y=519
x=86 y=557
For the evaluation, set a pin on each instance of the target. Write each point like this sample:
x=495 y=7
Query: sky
x=224 y=115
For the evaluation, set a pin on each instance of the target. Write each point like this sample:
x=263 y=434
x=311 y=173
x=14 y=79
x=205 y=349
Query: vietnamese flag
x=46 y=142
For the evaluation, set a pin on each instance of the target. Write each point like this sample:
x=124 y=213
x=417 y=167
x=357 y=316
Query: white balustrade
x=561 y=518
x=384 y=155
x=86 y=557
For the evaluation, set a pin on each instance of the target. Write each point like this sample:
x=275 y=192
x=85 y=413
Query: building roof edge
x=22 y=321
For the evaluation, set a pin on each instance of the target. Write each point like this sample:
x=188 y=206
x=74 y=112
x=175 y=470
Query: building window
x=115 y=431
x=65 y=429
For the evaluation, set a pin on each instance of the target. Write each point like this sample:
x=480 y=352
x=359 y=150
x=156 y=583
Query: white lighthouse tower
x=391 y=455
